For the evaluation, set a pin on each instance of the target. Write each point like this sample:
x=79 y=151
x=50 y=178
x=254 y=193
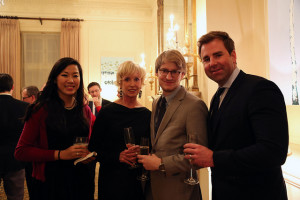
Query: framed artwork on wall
x=109 y=67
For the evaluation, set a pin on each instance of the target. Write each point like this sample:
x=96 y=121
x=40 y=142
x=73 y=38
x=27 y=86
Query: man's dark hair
x=32 y=91
x=93 y=84
x=228 y=42
x=6 y=82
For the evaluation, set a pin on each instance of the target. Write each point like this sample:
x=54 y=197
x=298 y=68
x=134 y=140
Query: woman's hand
x=73 y=152
x=129 y=155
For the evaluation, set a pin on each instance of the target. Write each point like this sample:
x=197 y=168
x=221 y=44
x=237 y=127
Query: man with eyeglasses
x=94 y=90
x=11 y=125
x=30 y=94
x=175 y=114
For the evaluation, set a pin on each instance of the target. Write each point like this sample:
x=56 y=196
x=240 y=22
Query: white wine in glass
x=81 y=141
x=144 y=150
x=192 y=138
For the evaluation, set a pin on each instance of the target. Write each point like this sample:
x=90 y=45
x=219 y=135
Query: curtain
x=10 y=51
x=70 y=39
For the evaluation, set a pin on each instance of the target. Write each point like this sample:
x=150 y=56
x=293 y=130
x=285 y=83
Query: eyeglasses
x=26 y=98
x=165 y=72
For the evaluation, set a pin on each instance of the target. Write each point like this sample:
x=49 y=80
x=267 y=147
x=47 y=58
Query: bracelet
x=58 y=155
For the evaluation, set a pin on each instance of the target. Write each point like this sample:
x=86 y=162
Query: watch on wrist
x=162 y=167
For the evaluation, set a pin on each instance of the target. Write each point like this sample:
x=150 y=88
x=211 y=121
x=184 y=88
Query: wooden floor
x=26 y=197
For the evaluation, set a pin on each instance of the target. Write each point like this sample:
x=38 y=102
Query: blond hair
x=127 y=68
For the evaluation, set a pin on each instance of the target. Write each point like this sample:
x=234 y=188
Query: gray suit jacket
x=186 y=114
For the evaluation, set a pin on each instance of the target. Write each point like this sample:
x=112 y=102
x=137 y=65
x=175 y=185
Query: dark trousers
x=29 y=178
x=13 y=183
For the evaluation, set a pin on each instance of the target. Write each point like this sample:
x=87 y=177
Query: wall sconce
x=151 y=78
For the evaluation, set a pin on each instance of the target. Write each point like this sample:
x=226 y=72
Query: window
x=39 y=53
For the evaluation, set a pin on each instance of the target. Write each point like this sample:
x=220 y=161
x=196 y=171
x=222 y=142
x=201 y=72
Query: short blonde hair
x=127 y=68
x=173 y=56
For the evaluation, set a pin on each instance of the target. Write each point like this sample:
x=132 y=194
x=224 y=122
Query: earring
x=121 y=93
x=140 y=93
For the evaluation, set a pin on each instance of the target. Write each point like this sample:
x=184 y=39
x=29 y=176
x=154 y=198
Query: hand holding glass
x=129 y=141
x=81 y=141
x=191 y=180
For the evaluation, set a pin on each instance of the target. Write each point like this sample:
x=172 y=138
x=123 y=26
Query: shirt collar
x=4 y=93
x=232 y=77
x=170 y=97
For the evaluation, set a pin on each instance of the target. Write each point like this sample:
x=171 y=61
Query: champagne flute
x=144 y=150
x=191 y=138
x=129 y=141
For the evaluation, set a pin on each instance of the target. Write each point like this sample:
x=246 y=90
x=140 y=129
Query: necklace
x=73 y=105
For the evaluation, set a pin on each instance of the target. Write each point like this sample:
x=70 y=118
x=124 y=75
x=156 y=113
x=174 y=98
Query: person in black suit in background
x=11 y=124
x=248 y=128
x=94 y=90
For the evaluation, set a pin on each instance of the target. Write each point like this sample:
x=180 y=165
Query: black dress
x=116 y=179
x=64 y=180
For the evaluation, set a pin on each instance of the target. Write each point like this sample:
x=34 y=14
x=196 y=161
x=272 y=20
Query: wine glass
x=144 y=150
x=129 y=141
x=81 y=141
x=192 y=180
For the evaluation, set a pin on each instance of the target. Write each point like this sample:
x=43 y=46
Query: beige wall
x=111 y=29
x=246 y=23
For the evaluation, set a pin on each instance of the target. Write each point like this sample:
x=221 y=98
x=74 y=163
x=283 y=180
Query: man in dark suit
x=94 y=90
x=11 y=113
x=248 y=128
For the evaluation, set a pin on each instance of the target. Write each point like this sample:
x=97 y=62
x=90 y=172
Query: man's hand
x=96 y=101
x=150 y=162
x=199 y=155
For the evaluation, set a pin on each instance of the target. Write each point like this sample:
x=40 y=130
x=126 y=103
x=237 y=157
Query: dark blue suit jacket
x=250 y=141
x=104 y=103
x=11 y=113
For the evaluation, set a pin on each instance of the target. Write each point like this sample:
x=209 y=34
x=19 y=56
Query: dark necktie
x=161 y=109
x=215 y=106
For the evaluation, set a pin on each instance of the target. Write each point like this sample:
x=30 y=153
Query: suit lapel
x=154 y=106
x=171 y=109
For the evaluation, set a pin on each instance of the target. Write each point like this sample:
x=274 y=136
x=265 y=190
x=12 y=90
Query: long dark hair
x=49 y=98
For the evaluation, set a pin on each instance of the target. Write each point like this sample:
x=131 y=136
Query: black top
x=116 y=180
x=63 y=179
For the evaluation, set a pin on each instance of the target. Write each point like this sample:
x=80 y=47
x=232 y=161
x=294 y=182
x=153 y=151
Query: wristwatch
x=162 y=167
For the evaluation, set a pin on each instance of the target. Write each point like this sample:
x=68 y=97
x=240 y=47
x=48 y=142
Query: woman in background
x=116 y=179
x=51 y=125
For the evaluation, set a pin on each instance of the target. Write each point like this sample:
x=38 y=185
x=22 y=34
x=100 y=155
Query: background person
x=51 y=125
x=94 y=90
x=30 y=94
x=12 y=111
x=184 y=114
x=248 y=129
x=116 y=179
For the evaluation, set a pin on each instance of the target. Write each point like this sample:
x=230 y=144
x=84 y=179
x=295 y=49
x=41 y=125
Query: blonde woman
x=116 y=179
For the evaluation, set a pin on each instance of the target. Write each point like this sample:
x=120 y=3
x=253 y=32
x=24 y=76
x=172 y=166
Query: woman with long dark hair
x=51 y=125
